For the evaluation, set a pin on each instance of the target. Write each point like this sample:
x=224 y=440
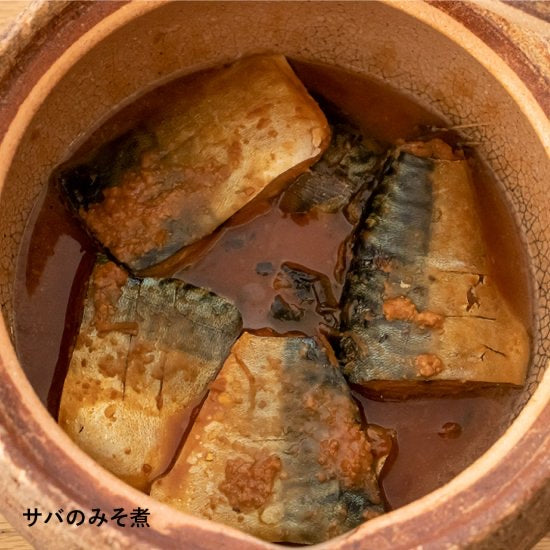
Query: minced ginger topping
x=248 y=485
x=428 y=364
x=402 y=309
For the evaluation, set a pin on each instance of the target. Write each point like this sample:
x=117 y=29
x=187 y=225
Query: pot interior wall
x=367 y=38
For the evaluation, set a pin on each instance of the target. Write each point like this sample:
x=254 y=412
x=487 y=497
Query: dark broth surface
x=436 y=437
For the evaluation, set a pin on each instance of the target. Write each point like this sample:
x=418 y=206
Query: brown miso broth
x=255 y=258
x=436 y=437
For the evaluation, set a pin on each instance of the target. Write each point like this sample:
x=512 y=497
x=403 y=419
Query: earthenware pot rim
x=49 y=438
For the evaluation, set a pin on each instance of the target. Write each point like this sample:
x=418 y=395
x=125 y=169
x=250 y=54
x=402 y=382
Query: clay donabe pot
x=64 y=66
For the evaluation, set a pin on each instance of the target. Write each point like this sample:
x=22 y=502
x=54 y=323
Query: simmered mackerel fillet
x=420 y=303
x=346 y=168
x=145 y=352
x=230 y=135
x=341 y=180
x=277 y=449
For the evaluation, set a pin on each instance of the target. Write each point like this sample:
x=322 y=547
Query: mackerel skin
x=348 y=166
x=420 y=303
x=277 y=449
x=144 y=355
x=226 y=137
x=339 y=183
